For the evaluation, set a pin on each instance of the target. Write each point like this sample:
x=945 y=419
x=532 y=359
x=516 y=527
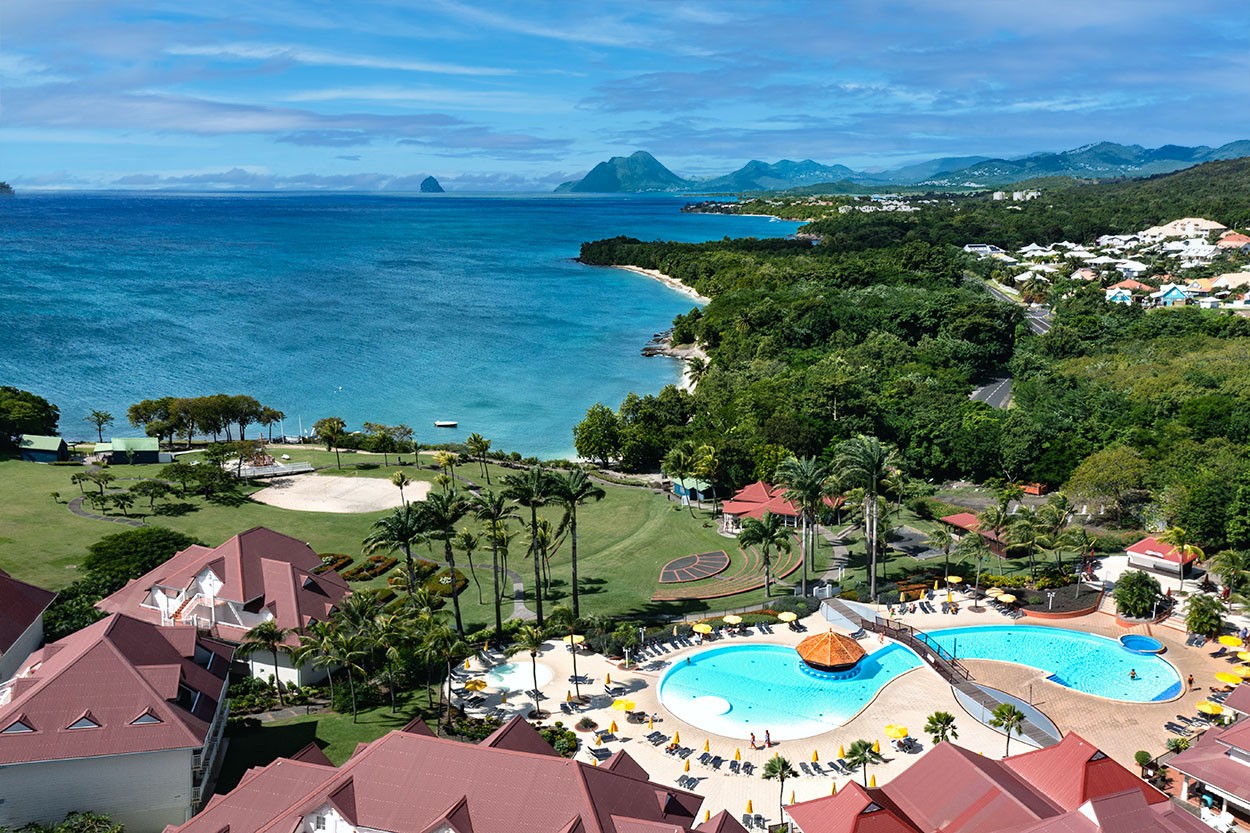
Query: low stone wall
x=1095 y=603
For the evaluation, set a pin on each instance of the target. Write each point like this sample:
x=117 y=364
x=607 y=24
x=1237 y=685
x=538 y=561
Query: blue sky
x=510 y=96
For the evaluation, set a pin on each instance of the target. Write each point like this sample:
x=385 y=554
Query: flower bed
x=440 y=584
x=371 y=567
x=333 y=561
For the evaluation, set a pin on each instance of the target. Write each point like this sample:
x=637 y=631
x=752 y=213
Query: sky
x=495 y=96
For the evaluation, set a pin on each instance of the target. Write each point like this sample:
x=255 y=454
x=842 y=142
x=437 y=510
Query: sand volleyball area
x=326 y=493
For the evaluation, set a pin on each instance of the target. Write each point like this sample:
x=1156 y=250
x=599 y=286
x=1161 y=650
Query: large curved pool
x=1081 y=661
x=735 y=690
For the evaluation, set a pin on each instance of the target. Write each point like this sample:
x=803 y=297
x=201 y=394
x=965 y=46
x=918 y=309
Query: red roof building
x=122 y=718
x=21 y=621
x=968 y=523
x=1152 y=554
x=1070 y=788
x=256 y=576
x=1132 y=286
x=412 y=782
x=754 y=500
x=1219 y=764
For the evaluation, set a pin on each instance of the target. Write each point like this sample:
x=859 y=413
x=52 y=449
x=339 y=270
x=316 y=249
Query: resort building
x=1152 y=554
x=759 y=497
x=34 y=448
x=1070 y=787
x=256 y=576
x=21 y=622
x=121 y=718
x=130 y=450
x=412 y=782
x=967 y=522
x=1217 y=768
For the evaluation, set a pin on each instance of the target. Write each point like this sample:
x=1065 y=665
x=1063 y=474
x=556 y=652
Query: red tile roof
x=260 y=568
x=409 y=783
x=20 y=605
x=1073 y=771
x=1208 y=760
x=754 y=500
x=115 y=672
x=1152 y=547
x=1132 y=285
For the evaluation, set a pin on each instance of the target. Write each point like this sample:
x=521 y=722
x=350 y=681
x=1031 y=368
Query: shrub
x=1204 y=614
x=586 y=724
x=561 y=739
x=333 y=561
x=474 y=728
x=371 y=567
x=1142 y=757
x=440 y=584
x=1135 y=594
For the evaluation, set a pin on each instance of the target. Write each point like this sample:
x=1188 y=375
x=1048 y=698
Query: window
x=16 y=727
x=321 y=823
x=145 y=719
x=84 y=722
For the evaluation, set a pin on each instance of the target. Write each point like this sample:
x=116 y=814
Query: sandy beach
x=670 y=282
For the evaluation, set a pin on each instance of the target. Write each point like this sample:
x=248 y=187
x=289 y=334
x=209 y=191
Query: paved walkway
x=76 y=507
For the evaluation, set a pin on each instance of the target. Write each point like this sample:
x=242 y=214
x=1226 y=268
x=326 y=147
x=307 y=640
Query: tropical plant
x=267 y=636
x=99 y=419
x=479 y=447
x=677 y=464
x=330 y=430
x=1135 y=594
x=399 y=531
x=940 y=726
x=316 y=647
x=440 y=512
x=779 y=769
x=150 y=489
x=533 y=490
x=1176 y=745
x=1008 y=718
x=995 y=518
x=1204 y=614
x=696 y=368
x=468 y=541
x=707 y=466
x=865 y=462
x=942 y=538
x=859 y=755
x=1233 y=567
x=1024 y=533
x=1185 y=546
x=808 y=484
x=494 y=511
x=123 y=501
x=530 y=638
x=571 y=491
x=269 y=417
x=1078 y=539
x=400 y=480
x=769 y=533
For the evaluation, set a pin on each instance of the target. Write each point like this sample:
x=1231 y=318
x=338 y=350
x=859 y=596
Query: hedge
x=333 y=561
x=371 y=567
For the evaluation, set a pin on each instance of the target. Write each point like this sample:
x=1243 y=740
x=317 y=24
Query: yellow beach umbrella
x=738 y=754
x=613 y=728
x=466 y=665
x=623 y=705
x=674 y=630
x=574 y=639
x=607 y=679
x=598 y=740
x=707 y=814
x=750 y=809
x=687 y=767
x=568 y=697
x=1244 y=656
x=732 y=619
x=1207 y=707
x=650 y=723
x=787 y=616
x=703 y=628
x=876 y=746
x=841 y=751
x=1228 y=677
x=994 y=591
x=1231 y=641
x=791 y=796
x=935 y=584
x=895 y=731
x=1006 y=598
x=706 y=747
x=1242 y=671
x=815 y=757
x=872 y=781
x=503 y=697
x=954 y=579
x=475 y=685
x=676 y=737
x=833 y=790
x=902 y=597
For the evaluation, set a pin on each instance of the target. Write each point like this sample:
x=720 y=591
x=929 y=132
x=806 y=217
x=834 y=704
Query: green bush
x=333 y=561
x=1135 y=594
x=474 y=728
x=441 y=584
x=1204 y=614
x=371 y=567
x=563 y=740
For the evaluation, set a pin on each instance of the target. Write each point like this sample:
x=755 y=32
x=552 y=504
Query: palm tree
x=941 y=726
x=446 y=460
x=808 y=484
x=440 y=512
x=995 y=518
x=479 y=446
x=398 y=531
x=468 y=540
x=400 y=480
x=349 y=652
x=860 y=754
x=1185 y=547
x=571 y=491
x=99 y=419
x=767 y=534
x=1008 y=718
x=494 y=511
x=696 y=368
x=392 y=634
x=533 y=490
x=1233 y=567
x=779 y=769
x=1025 y=533
x=865 y=462
x=530 y=638
x=678 y=463
x=267 y=636
x=316 y=646
x=943 y=539
x=972 y=546
x=706 y=464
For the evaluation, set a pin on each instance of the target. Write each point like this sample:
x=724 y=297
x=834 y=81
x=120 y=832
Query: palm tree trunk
x=330 y=679
x=534 y=693
x=412 y=569
x=455 y=597
x=573 y=532
x=390 y=682
x=494 y=559
x=781 y=799
x=277 y=679
x=351 y=682
x=538 y=579
x=768 y=574
x=870 y=518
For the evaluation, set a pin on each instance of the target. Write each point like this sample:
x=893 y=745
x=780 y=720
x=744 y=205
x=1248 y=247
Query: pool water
x=518 y=676
x=766 y=687
x=1081 y=661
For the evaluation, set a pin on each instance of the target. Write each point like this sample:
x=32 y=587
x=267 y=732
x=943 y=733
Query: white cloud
x=320 y=57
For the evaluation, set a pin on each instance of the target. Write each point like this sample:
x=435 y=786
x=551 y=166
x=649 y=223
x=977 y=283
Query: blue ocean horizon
x=384 y=308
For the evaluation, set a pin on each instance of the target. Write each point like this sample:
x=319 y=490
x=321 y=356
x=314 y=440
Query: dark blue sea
x=382 y=308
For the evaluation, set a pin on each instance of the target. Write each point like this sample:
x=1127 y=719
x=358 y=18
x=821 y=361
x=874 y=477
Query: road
x=1038 y=318
x=996 y=394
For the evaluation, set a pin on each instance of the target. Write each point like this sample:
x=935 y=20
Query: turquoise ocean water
x=389 y=309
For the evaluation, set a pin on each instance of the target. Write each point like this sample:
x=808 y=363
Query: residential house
x=1070 y=787
x=1118 y=295
x=967 y=522
x=1084 y=274
x=1185 y=227
x=35 y=448
x=122 y=718
x=21 y=621
x=982 y=249
x=1132 y=268
x=256 y=576
x=1231 y=280
x=1132 y=286
x=690 y=488
x=133 y=450
x=409 y=781
x=1169 y=295
x=1152 y=554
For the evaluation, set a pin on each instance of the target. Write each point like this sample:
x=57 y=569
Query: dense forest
x=878 y=326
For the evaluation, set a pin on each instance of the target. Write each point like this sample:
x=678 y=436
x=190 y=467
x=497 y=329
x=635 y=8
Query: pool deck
x=1118 y=728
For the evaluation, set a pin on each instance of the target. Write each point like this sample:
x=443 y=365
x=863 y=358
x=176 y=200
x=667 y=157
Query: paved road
x=996 y=394
x=1037 y=318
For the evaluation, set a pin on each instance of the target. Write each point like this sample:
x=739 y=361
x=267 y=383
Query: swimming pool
x=1081 y=661
x=518 y=676
x=739 y=689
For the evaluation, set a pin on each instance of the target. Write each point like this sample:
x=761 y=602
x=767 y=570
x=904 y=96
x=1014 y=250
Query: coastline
x=669 y=281
x=684 y=352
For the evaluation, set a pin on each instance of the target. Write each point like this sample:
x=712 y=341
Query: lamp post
x=1050 y=599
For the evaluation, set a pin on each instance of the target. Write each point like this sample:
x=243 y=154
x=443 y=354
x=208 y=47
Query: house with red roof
x=122 y=717
x=754 y=500
x=256 y=576
x=21 y=621
x=1216 y=770
x=1070 y=787
x=967 y=522
x=409 y=781
x=1152 y=554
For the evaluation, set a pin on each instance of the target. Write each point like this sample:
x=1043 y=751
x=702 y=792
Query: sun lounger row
x=756 y=821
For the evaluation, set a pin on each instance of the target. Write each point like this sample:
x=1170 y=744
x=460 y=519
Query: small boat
x=445 y=423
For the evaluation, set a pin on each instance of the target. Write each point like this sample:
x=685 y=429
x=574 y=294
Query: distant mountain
x=635 y=173
x=430 y=185
x=761 y=176
x=924 y=170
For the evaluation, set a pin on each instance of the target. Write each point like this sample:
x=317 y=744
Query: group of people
x=768 y=741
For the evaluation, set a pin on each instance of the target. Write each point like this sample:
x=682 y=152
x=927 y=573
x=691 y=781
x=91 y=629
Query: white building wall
x=261 y=666
x=145 y=791
x=26 y=644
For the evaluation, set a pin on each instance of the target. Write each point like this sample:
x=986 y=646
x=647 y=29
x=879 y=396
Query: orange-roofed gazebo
x=830 y=651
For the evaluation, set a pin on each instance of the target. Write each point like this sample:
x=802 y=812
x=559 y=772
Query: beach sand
x=670 y=282
x=326 y=493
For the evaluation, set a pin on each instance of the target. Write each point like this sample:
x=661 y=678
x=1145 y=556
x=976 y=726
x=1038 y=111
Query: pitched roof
x=476 y=788
x=1132 y=285
x=1073 y=771
x=114 y=672
x=969 y=523
x=124 y=444
x=1152 y=547
x=262 y=567
x=36 y=442
x=830 y=650
x=20 y=605
x=1208 y=760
